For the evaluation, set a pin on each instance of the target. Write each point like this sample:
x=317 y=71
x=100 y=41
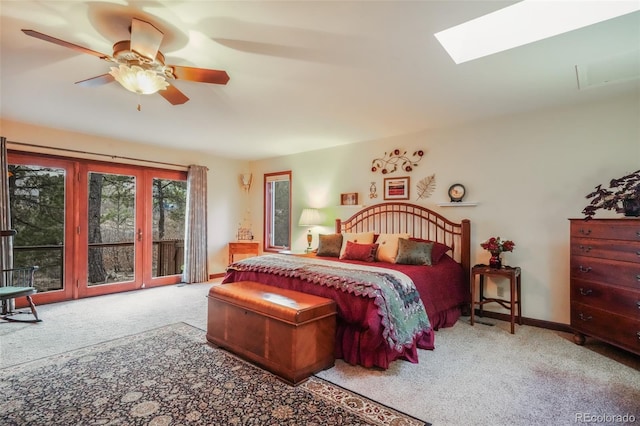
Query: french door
x=96 y=228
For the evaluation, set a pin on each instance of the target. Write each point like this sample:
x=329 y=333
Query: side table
x=514 y=276
x=243 y=247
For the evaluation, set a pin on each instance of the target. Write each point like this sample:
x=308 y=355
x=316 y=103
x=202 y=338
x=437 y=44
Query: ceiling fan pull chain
x=139 y=106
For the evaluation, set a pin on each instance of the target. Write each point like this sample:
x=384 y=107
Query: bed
x=382 y=317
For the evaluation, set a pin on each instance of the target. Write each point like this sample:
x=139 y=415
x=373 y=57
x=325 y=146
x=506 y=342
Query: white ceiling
x=305 y=75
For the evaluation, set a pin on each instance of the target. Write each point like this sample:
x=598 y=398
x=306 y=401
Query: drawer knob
x=583 y=269
x=588 y=249
x=584 y=317
x=586 y=292
x=588 y=231
x=638 y=277
x=638 y=304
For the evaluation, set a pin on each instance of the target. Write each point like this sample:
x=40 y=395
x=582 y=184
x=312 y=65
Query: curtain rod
x=114 y=157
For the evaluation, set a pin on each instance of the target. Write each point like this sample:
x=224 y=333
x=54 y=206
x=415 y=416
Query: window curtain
x=195 y=252
x=6 y=243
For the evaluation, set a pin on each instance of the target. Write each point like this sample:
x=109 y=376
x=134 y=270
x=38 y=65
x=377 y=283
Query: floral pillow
x=364 y=252
x=414 y=252
x=329 y=245
x=438 y=250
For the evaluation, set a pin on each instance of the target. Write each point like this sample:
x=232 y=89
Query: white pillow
x=388 y=247
x=359 y=237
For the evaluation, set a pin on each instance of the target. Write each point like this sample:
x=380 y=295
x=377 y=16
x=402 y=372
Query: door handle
x=139 y=234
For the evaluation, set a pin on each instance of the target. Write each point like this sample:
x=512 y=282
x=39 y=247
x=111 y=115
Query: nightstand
x=243 y=247
x=514 y=276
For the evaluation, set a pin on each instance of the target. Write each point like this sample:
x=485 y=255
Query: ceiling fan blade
x=145 y=38
x=96 y=81
x=63 y=43
x=173 y=95
x=201 y=75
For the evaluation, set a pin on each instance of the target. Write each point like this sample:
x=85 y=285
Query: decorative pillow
x=438 y=250
x=329 y=245
x=360 y=238
x=388 y=247
x=414 y=252
x=364 y=252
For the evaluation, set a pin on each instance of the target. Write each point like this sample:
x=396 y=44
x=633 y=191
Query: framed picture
x=349 y=199
x=396 y=188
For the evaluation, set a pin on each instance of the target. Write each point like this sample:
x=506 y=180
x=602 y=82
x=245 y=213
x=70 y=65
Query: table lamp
x=310 y=218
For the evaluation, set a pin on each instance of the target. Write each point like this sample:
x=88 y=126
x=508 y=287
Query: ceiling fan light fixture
x=138 y=80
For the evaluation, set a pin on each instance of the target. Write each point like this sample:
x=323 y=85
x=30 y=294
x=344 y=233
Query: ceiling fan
x=140 y=66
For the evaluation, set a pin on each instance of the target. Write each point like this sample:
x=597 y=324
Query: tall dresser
x=605 y=281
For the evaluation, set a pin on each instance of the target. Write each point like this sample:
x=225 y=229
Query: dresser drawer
x=623 y=301
x=627 y=251
x=606 y=271
x=606 y=326
x=618 y=229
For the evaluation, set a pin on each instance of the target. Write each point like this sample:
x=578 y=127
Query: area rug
x=172 y=376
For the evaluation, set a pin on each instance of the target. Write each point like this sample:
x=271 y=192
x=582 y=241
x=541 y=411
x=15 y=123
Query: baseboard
x=213 y=276
x=556 y=326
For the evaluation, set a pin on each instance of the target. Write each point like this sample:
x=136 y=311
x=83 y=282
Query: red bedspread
x=359 y=338
x=442 y=288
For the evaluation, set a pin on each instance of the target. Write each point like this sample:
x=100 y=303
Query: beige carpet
x=476 y=375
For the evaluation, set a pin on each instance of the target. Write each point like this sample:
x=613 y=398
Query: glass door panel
x=112 y=228
x=169 y=206
x=37 y=212
x=40 y=193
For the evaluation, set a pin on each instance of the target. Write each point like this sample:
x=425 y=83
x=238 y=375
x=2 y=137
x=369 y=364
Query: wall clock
x=456 y=192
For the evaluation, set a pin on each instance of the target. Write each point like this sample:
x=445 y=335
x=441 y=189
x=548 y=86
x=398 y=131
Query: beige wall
x=227 y=202
x=529 y=173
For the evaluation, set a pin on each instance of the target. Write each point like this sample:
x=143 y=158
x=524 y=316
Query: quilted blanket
x=402 y=313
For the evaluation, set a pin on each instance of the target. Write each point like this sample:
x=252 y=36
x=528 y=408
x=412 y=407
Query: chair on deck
x=14 y=283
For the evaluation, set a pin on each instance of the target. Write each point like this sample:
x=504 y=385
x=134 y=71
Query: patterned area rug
x=171 y=376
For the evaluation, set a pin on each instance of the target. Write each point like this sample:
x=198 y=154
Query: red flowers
x=496 y=246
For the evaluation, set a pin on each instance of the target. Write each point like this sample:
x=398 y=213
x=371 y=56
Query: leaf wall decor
x=426 y=186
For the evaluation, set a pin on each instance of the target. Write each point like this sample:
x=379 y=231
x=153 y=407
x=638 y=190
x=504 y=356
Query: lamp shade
x=138 y=80
x=309 y=217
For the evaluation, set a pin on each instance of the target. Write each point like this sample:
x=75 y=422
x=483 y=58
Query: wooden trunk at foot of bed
x=290 y=333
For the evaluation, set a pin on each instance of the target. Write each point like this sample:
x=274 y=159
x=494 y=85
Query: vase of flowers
x=496 y=246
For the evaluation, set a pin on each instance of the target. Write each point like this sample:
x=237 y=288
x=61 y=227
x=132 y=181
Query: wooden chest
x=289 y=333
x=605 y=281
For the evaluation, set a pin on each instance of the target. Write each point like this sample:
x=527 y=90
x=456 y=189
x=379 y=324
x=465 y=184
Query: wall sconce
x=309 y=217
x=246 y=179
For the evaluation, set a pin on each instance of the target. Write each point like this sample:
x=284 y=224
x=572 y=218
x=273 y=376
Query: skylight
x=526 y=22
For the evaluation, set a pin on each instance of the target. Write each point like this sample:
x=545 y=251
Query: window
x=277 y=211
